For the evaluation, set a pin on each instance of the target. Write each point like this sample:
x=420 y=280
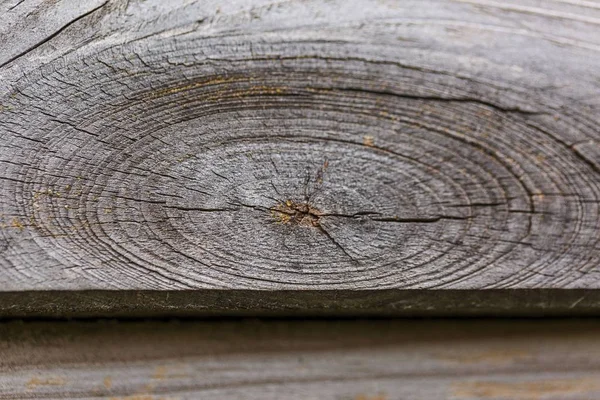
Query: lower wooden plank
x=346 y=360
x=257 y=303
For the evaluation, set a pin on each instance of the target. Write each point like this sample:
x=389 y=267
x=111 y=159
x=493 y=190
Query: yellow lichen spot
x=528 y=390
x=367 y=397
x=301 y=214
x=280 y=218
x=108 y=210
x=16 y=223
x=107 y=382
x=51 y=381
x=210 y=82
x=160 y=373
x=540 y=158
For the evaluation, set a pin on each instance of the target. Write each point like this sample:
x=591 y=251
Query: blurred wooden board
x=254 y=149
x=304 y=360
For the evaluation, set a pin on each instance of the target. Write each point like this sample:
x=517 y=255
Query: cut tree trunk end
x=300 y=154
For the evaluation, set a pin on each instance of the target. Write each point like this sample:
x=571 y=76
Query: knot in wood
x=296 y=213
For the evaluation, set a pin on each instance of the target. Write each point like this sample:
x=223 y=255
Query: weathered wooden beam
x=262 y=147
x=374 y=360
x=299 y=303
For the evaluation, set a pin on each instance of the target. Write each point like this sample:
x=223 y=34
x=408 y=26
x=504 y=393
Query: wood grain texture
x=343 y=360
x=299 y=145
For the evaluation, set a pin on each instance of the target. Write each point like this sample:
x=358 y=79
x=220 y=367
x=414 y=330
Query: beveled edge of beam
x=304 y=303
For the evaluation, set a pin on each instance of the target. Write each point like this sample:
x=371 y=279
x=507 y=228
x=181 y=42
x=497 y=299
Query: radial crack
x=335 y=242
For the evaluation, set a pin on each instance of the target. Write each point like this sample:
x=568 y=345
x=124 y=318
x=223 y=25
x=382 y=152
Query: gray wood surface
x=343 y=360
x=299 y=145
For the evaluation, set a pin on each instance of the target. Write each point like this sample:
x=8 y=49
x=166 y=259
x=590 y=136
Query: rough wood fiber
x=295 y=145
x=345 y=360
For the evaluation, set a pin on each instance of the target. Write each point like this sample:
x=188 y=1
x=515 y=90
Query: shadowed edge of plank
x=252 y=303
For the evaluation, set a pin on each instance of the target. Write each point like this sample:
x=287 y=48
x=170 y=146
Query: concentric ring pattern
x=200 y=162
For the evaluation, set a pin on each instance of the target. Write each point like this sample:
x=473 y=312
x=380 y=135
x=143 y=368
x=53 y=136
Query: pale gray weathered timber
x=271 y=148
x=343 y=360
